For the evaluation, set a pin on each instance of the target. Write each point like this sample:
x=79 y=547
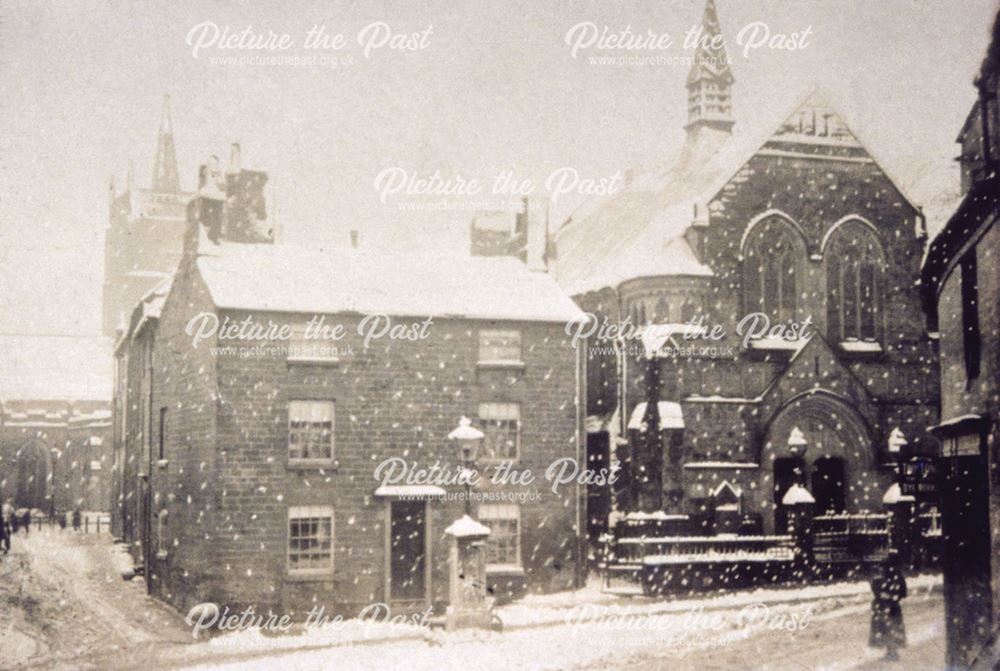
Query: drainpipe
x=581 y=413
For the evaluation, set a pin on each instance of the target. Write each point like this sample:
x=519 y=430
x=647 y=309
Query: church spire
x=710 y=81
x=165 y=176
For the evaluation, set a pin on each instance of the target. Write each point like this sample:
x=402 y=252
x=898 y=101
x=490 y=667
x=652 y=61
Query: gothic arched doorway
x=32 y=468
x=838 y=466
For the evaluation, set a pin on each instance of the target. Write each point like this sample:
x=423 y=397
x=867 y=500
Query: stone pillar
x=800 y=504
x=903 y=529
x=468 y=604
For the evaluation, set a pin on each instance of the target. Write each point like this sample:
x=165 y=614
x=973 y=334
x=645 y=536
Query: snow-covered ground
x=66 y=606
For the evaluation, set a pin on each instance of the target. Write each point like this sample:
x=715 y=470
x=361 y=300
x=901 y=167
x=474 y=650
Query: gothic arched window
x=854 y=278
x=688 y=311
x=772 y=259
x=662 y=315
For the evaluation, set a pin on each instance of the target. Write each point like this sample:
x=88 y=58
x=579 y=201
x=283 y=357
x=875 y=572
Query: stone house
x=251 y=463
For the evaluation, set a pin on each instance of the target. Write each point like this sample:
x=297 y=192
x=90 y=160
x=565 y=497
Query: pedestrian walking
x=76 y=518
x=887 y=628
x=26 y=522
x=4 y=532
x=61 y=519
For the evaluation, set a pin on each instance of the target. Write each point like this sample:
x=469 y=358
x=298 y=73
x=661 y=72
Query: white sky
x=81 y=85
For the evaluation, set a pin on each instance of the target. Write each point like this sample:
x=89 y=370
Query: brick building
x=55 y=422
x=796 y=222
x=961 y=287
x=249 y=464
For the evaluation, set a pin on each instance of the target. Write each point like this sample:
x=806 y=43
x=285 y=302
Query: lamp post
x=797 y=445
x=468 y=438
x=897 y=445
x=468 y=604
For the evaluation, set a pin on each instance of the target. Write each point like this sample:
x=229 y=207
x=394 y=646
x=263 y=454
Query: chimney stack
x=235 y=160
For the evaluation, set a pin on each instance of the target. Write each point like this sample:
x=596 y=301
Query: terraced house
x=249 y=461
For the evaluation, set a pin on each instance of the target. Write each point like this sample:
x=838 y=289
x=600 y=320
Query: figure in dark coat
x=887 y=628
x=76 y=518
x=26 y=522
x=4 y=532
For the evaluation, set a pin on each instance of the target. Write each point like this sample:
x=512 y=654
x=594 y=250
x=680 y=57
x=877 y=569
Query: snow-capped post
x=800 y=503
x=468 y=605
x=901 y=506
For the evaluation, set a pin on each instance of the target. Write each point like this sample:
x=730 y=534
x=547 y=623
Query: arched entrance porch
x=839 y=465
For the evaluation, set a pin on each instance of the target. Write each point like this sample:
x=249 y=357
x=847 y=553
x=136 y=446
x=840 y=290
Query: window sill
x=319 y=576
x=162 y=463
x=312 y=361
x=311 y=465
x=505 y=569
x=500 y=365
x=162 y=554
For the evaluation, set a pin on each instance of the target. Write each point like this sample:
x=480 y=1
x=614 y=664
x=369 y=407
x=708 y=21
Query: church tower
x=142 y=243
x=710 y=81
x=165 y=176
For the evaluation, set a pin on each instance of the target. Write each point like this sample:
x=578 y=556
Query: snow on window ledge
x=861 y=346
x=162 y=554
x=773 y=343
x=505 y=569
x=162 y=463
x=314 y=360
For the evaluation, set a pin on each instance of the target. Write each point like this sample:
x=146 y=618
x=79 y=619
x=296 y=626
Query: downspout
x=581 y=411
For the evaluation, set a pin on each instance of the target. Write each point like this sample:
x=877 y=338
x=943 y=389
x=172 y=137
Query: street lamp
x=797 y=445
x=897 y=444
x=468 y=438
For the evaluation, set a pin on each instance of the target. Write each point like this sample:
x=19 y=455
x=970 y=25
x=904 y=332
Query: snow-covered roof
x=639 y=231
x=671 y=416
x=288 y=278
x=895 y=495
x=465 y=526
x=720 y=464
x=55 y=367
x=797 y=494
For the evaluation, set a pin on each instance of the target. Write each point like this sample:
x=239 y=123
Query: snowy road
x=65 y=604
x=66 y=607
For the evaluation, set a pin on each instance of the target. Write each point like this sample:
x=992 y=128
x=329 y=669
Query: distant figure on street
x=61 y=519
x=4 y=531
x=26 y=521
x=76 y=518
x=887 y=628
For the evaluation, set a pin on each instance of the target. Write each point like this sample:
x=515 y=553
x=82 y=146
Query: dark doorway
x=32 y=477
x=828 y=485
x=785 y=475
x=598 y=496
x=408 y=551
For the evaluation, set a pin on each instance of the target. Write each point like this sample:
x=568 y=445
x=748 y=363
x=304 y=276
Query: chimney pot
x=235 y=158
